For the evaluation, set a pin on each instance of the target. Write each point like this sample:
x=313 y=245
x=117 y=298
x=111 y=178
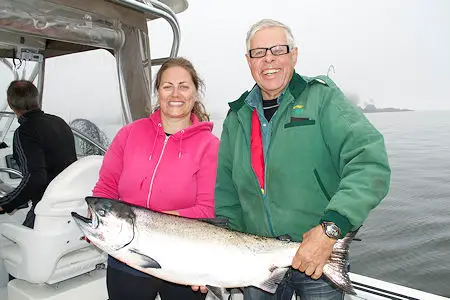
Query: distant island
x=370 y=108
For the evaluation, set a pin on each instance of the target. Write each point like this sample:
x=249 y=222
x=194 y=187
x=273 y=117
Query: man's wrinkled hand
x=313 y=253
x=202 y=289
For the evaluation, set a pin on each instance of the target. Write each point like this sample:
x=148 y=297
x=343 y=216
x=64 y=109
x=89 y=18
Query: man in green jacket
x=297 y=158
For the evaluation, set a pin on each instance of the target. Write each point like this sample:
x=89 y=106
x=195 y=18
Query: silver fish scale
x=203 y=231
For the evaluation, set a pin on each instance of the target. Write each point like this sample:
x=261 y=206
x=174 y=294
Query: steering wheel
x=11 y=171
x=4 y=187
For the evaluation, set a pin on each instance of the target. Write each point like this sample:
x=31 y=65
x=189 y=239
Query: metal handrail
x=164 y=12
x=156 y=61
x=7 y=125
x=10 y=66
x=166 y=8
x=88 y=139
x=330 y=68
x=12 y=171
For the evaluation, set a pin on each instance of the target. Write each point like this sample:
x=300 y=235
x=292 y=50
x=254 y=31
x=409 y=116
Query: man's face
x=271 y=73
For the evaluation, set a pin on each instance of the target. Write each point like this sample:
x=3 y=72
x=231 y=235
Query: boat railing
x=159 y=9
x=87 y=139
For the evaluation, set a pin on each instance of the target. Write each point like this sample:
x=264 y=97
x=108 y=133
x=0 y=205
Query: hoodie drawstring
x=181 y=142
x=154 y=142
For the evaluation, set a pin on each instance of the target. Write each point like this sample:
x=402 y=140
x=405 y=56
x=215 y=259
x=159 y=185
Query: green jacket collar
x=296 y=87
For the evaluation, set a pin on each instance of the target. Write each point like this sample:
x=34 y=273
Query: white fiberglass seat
x=55 y=250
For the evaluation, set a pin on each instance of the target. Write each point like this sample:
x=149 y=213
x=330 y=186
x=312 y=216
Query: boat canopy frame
x=36 y=30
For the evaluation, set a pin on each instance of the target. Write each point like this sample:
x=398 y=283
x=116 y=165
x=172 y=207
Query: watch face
x=332 y=231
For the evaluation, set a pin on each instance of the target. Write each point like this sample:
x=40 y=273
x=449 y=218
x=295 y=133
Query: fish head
x=110 y=225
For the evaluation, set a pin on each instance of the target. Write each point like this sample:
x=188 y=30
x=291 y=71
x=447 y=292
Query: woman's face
x=176 y=93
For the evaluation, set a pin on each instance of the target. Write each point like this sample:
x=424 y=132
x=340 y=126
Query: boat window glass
x=9 y=71
x=83 y=89
x=6 y=76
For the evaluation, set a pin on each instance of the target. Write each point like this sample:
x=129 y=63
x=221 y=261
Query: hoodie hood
x=196 y=126
x=181 y=135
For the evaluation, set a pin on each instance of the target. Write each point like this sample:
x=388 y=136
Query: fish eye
x=101 y=213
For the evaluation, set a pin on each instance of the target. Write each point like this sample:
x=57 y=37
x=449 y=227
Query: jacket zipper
x=266 y=205
x=263 y=195
x=266 y=162
x=154 y=172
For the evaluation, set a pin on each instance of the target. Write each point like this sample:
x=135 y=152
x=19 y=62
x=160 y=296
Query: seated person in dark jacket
x=43 y=146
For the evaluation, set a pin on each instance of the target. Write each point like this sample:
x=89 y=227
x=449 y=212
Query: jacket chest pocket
x=298 y=122
x=297 y=139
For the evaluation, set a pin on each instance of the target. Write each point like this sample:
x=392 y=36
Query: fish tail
x=336 y=269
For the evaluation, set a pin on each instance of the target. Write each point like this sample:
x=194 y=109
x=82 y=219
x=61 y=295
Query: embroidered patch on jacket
x=297 y=110
x=297 y=119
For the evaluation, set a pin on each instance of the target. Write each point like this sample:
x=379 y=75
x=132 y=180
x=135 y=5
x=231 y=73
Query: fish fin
x=220 y=222
x=146 y=261
x=271 y=284
x=217 y=291
x=336 y=269
x=335 y=274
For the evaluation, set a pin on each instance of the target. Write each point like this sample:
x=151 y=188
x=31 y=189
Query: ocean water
x=406 y=239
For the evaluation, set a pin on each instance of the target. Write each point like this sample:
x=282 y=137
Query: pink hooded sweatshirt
x=145 y=167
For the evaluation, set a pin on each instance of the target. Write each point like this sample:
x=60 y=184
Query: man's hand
x=2 y=211
x=202 y=289
x=313 y=253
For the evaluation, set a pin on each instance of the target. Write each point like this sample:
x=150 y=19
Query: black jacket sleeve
x=30 y=157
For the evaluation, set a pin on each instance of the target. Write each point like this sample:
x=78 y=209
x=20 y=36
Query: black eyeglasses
x=276 y=50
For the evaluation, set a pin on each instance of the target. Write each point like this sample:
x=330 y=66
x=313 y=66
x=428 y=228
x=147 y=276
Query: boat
x=53 y=261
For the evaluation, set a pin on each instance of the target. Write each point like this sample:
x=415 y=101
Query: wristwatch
x=331 y=230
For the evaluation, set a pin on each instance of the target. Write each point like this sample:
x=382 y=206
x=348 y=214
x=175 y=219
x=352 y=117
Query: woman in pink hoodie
x=167 y=163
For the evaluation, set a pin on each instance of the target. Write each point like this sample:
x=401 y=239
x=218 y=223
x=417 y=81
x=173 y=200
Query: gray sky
x=392 y=52
x=395 y=53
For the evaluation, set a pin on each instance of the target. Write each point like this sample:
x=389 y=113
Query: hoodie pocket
x=321 y=185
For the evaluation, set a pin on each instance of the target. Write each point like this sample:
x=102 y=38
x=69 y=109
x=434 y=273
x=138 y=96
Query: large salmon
x=194 y=252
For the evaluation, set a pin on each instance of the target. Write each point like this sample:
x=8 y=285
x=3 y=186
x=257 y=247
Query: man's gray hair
x=267 y=23
x=22 y=95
